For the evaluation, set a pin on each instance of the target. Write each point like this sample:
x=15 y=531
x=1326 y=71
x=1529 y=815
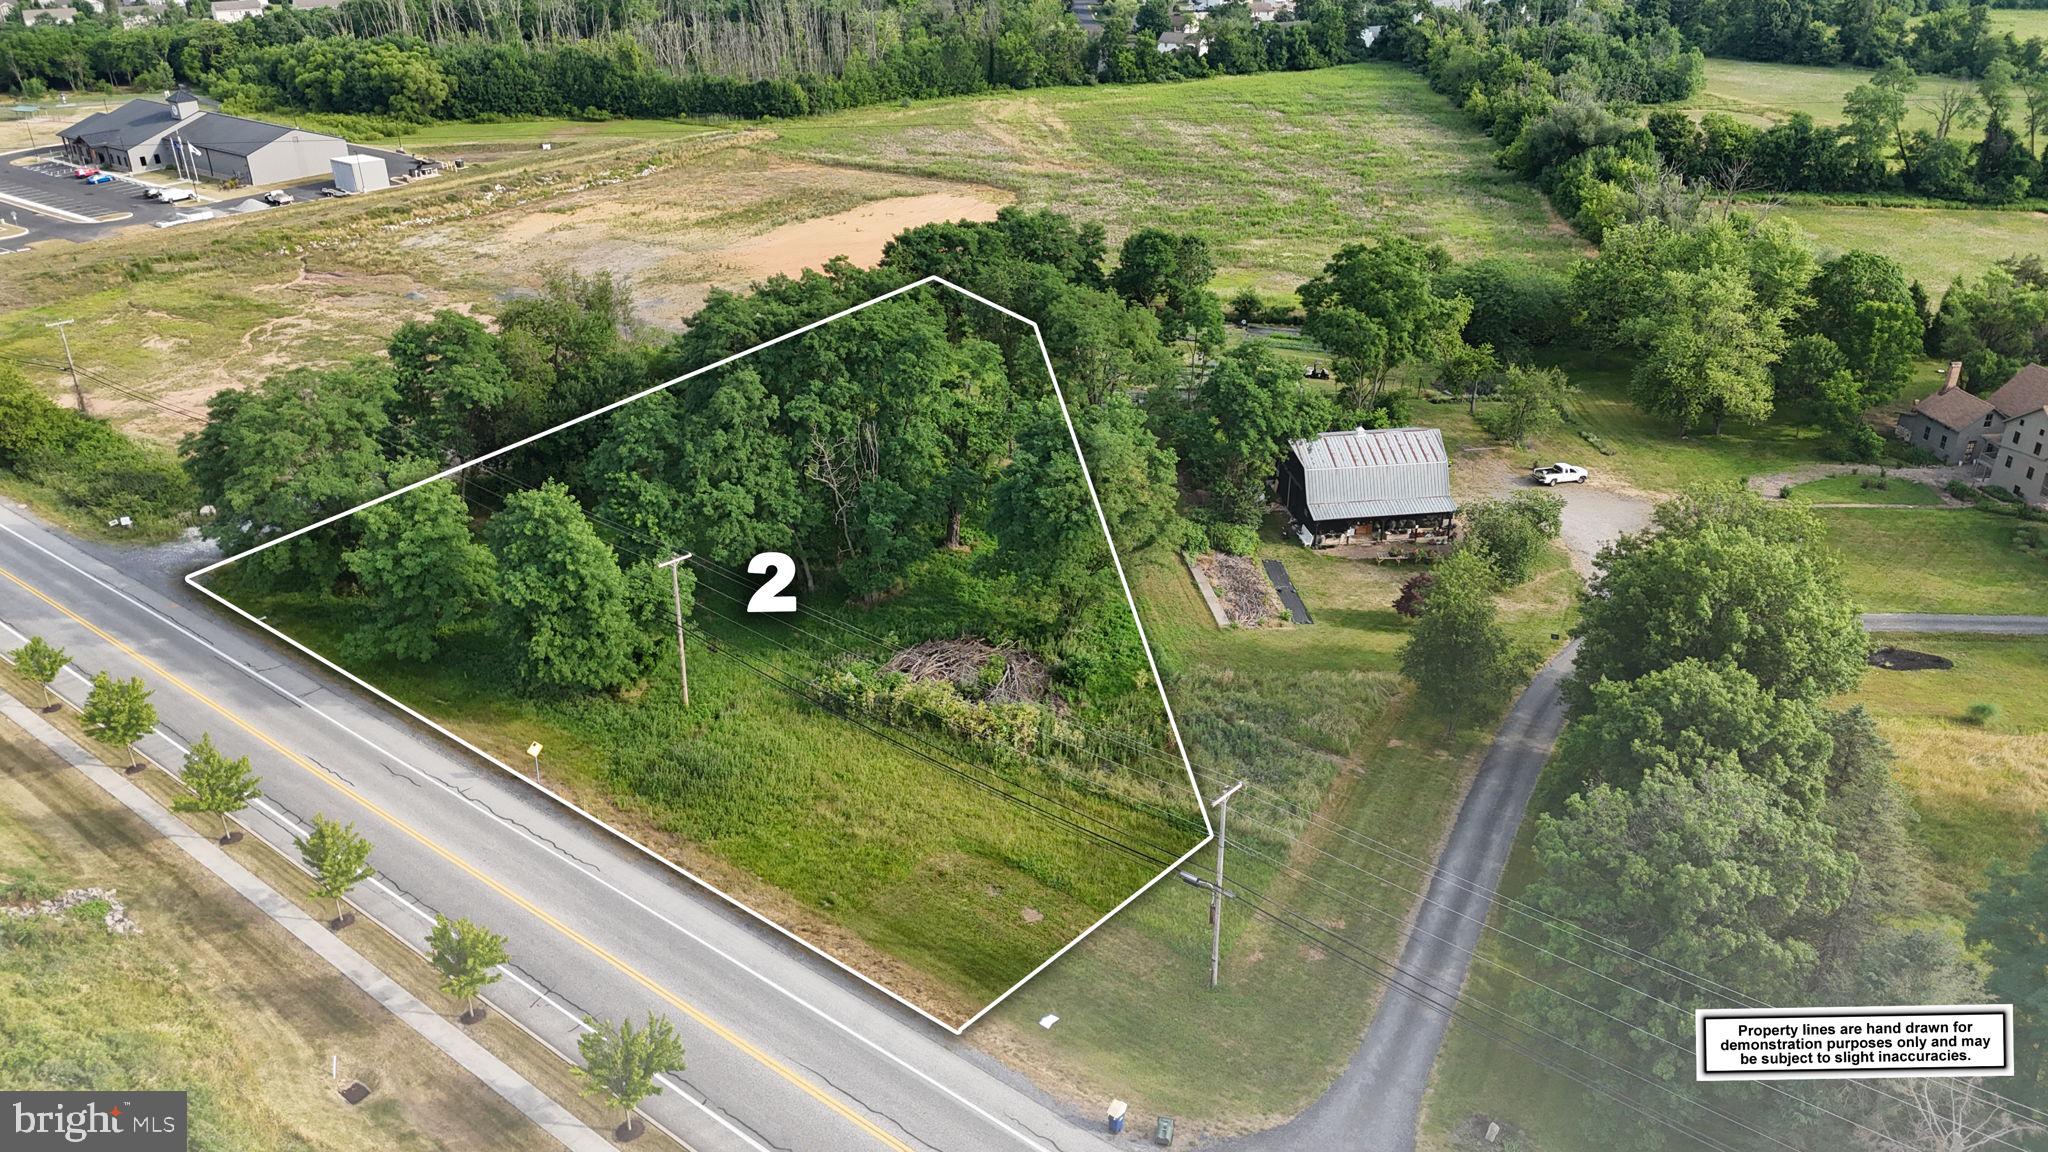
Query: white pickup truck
x=1551 y=475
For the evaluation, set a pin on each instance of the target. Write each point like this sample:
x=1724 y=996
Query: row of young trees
x=1708 y=811
x=620 y=1062
x=1872 y=150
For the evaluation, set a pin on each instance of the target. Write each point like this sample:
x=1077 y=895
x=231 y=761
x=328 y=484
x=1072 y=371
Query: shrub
x=1235 y=539
x=1413 y=590
x=1980 y=713
x=1189 y=536
x=1961 y=491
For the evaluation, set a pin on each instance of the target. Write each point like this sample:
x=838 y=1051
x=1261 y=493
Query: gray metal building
x=144 y=135
x=1363 y=481
x=220 y=147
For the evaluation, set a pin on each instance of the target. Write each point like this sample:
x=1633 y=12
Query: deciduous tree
x=1692 y=716
x=39 y=661
x=1698 y=868
x=2011 y=925
x=620 y=1061
x=420 y=569
x=1527 y=401
x=219 y=785
x=339 y=859
x=1248 y=408
x=1722 y=577
x=1461 y=660
x=118 y=711
x=467 y=956
x=1375 y=306
x=1510 y=533
x=561 y=602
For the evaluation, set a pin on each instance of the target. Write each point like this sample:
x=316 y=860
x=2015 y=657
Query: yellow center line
x=694 y=1013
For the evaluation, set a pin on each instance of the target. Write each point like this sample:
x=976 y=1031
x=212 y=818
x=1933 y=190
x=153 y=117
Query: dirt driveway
x=1595 y=513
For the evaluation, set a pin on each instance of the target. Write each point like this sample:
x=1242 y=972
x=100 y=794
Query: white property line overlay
x=1173 y=724
x=551 y=850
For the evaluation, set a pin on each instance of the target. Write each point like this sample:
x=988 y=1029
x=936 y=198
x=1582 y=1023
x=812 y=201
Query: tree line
x=397 y=63
x=1873 y=150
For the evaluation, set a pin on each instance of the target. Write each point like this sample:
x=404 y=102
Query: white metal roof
x=1360 y=472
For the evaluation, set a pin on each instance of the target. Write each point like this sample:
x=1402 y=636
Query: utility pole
x=76 y=389
x=1216 y=891
x=675 y=583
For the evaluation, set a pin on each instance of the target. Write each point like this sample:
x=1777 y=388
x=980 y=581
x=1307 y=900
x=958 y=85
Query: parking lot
x=48 y=183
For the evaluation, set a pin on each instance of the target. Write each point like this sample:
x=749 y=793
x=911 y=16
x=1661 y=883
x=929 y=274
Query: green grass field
x=1936 y=246
x=1275 y=170
x=2024 y=23
x=1936 y=560
x=1870 y=489
x=1980 y=789
x=1764 y=94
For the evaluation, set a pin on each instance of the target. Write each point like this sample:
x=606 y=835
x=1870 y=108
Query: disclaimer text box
x=1845 y=1043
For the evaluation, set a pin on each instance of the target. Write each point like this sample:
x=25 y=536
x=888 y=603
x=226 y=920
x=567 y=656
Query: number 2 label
x=780 y=570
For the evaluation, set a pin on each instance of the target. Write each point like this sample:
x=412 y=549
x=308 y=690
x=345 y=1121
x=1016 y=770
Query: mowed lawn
x=1936 y=560
x=1276 y=170
x=1868 y=488
x=1981 y=788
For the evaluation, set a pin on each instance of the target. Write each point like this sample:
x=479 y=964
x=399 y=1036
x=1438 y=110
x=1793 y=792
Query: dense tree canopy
x=562 y=602
x=1721 y=576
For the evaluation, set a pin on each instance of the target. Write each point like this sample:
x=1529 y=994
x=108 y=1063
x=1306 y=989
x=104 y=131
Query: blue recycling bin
x=1117 y=1110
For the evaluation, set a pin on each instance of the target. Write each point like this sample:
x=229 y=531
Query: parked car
x=85 y=172
x=174 y=195
x=99 y=178
x=1551 y=475
x=331 y=191
x=278 y=196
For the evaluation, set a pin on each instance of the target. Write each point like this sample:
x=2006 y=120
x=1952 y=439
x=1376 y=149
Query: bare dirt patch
x=858 y=235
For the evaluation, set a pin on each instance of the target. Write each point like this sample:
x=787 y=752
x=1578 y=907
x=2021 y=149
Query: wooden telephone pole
x=675 y=582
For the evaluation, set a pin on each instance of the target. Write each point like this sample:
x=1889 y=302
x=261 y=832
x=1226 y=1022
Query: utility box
x=1162 y=1132
x=1117 y=1111
x=356 y=174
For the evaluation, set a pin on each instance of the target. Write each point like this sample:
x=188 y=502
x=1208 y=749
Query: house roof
x=1953 y=408
x=136 y=122
x=1359 y=473
x=2026 y=392
x=236 y=136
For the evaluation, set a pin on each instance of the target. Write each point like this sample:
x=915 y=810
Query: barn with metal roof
x=1362 y=483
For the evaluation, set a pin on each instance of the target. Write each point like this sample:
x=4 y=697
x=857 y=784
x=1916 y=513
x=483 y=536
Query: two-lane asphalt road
x=784 y=1052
